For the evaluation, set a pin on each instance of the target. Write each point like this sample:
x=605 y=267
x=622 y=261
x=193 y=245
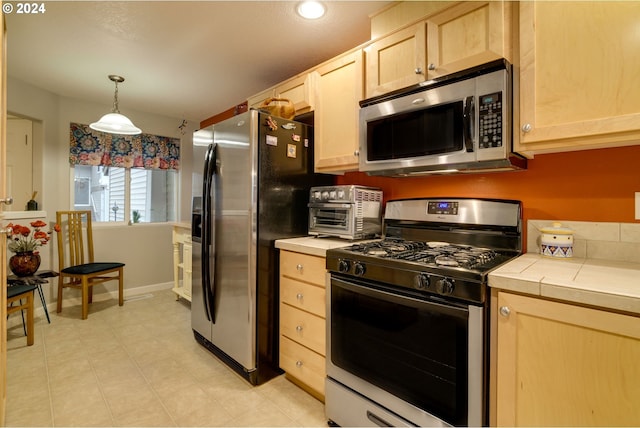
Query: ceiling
x=182 y=59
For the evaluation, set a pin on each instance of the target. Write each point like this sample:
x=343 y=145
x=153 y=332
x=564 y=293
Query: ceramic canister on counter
x=556 y=241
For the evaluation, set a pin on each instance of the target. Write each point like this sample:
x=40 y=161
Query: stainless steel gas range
x=407 y=320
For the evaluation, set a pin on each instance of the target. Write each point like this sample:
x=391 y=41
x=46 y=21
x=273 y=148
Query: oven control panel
x=440 y=284
x=443 y=207
x=427 y=283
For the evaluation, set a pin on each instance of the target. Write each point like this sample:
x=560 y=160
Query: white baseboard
x=129 y=293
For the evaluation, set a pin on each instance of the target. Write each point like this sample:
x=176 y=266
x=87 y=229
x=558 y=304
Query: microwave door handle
x=468 y=123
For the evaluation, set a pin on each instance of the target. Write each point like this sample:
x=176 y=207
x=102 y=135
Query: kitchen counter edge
x=606 y=284
x=311 y=245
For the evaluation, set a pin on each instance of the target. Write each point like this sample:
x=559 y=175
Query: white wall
x=145 y=248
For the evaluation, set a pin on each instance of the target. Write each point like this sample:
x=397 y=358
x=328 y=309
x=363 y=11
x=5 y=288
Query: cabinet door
x=579 y=75
x=298 y=89
x=339 y=88
x=396 y=61
x=466 y=35
x=565 y=365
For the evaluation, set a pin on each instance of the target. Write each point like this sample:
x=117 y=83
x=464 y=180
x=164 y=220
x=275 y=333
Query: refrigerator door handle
x=208 y=233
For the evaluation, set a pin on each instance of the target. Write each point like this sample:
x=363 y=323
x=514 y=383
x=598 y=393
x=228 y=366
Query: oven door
x=420 y=359
x=332 y=219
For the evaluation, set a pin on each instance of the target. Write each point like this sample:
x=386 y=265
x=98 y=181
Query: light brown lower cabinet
x=559 y=364
x=302 y=320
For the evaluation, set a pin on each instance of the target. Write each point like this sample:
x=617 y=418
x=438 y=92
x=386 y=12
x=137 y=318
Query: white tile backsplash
x=593 y=240
x=630 y=232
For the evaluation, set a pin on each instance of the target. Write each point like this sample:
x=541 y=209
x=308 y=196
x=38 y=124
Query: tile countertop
x=602 y=283
x=312 y=245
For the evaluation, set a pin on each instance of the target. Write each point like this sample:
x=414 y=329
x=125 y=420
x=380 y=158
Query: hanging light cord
x=115 y=99
x=116 y=79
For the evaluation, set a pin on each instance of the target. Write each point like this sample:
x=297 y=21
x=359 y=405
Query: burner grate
x=433 y=253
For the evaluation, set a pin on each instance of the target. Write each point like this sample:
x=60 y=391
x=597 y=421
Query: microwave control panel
x=490 y=120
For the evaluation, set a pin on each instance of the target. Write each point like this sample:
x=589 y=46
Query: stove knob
x=359 y=269
x=421 y=281
x=445 y=286
x=343 y=266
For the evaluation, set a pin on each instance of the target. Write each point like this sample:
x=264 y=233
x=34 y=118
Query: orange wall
x=590 y=185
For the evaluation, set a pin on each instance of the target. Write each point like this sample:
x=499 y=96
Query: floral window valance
x=89 y=147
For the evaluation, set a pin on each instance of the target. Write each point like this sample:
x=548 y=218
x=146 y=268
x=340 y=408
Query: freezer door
x=234 y=307
x=200 y=320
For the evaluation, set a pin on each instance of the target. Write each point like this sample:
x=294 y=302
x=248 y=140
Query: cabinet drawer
x=310 y=298
x=303 y=267
x=303 y=364
x=303 y=327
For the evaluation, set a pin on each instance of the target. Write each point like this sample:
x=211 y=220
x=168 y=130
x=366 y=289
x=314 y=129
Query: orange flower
x=38 y=223
x=23 y=239
x=38 y=234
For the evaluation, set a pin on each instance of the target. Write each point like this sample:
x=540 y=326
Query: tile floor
x=137 y=365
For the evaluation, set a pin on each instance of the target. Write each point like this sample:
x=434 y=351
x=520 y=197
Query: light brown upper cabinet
x=339 y=89
x=466 y=35
x=396 y=61
x=457 y=38
x=579 y=76
x=298 y=89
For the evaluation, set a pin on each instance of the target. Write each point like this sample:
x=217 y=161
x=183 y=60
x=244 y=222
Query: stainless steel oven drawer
x=354 y=410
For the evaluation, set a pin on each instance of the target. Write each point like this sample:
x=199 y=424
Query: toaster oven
x=348 y=211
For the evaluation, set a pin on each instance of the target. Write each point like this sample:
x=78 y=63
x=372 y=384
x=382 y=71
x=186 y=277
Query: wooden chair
x=75 y=259
x=18 y=293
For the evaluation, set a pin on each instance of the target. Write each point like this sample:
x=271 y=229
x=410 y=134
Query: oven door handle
x=328 y=205
x=449 y=308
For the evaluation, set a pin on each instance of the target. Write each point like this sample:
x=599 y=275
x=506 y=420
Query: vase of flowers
x=24 y=264
x=24 y=242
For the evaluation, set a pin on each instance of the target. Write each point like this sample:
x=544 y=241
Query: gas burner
x=432 y=253
x=436 y=253
x=376 y=252
x=446 y=261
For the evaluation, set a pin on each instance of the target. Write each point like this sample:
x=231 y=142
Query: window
x=116 y=194
x=124 y=178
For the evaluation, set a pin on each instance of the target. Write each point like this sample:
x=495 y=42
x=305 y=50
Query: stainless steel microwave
x=458 y=123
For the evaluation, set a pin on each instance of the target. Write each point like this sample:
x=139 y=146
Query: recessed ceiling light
x=311 y=9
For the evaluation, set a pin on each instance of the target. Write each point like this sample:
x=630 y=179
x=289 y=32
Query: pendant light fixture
x=114 y=122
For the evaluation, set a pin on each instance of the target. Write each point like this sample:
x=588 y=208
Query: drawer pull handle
x=298 y=363
x=299 y=296
x=299 y=267
x=298 y=328
x=378 y=420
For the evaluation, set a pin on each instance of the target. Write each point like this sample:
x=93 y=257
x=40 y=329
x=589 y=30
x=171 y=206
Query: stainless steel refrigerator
x=254 y=189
